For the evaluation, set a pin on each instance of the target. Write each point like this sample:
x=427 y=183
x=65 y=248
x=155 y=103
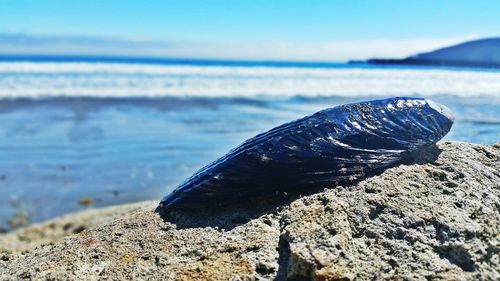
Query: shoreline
x=435 y=218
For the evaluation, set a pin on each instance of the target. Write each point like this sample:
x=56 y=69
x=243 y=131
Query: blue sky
x=257 y=29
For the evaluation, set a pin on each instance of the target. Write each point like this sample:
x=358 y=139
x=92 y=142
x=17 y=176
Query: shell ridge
x=341 y=144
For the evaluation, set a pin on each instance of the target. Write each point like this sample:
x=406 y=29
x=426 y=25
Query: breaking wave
x=36 y=80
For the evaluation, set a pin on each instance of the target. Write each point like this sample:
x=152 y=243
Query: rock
x=51 y=231
x=436 y=218
x=86 y=201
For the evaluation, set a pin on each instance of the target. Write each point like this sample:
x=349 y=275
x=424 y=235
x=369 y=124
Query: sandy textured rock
x=437 y=218
x=51 y=231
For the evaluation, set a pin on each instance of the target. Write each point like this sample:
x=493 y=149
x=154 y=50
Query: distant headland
x=478 y=53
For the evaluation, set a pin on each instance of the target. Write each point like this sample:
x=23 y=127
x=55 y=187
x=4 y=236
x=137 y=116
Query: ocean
x=95 y=131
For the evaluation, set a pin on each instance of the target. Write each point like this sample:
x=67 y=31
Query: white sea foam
x=24 y=79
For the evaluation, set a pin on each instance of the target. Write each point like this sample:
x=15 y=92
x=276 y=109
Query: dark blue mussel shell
x=339 y=145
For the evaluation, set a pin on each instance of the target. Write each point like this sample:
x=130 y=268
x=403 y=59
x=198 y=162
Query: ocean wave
x=36 y=80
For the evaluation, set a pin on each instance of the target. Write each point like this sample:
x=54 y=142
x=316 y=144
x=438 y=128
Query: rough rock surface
x=51 y=231
x=436 y=218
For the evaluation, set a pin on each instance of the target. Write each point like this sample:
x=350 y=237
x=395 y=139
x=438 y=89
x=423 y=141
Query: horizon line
x=330 y=51
x=38 y=57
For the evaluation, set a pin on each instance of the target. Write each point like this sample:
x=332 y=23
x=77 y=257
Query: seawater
x=119 y=132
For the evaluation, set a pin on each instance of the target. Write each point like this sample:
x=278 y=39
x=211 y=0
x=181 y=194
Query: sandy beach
x=435 y=218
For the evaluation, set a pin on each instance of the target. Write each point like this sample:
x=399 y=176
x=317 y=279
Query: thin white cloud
x=337 y=50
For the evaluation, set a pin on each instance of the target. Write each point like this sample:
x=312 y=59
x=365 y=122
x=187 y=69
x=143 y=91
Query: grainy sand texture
x=436 y=218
